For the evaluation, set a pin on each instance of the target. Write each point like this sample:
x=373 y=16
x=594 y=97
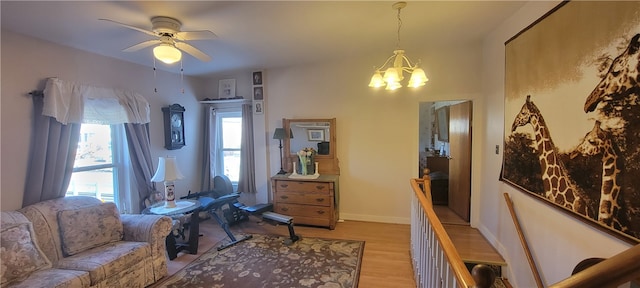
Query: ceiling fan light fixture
x=167 y=53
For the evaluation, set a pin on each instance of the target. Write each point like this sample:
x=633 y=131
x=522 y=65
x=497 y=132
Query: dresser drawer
x=304 y=198
x=303 y=186
x=305 y=211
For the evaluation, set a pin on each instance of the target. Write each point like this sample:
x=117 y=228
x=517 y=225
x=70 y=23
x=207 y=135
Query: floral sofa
x=81 y=242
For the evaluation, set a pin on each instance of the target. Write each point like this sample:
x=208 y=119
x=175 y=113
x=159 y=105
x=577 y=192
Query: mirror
x=319 y=134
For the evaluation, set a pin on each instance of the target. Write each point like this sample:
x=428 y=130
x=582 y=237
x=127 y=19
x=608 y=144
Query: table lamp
x=281 y=134
x=168 y=172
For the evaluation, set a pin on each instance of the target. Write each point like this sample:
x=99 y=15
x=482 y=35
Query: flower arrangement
x=306 y=155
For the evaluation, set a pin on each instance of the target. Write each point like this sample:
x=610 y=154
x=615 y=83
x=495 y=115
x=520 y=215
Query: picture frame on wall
x=315 y=135
x=257 y=78
x=570 y=118
x=227 y=88
x=258 y=107
x=258 y=93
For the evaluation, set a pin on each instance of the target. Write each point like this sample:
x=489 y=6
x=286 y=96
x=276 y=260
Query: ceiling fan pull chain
x=155 y=80
x=181 y=77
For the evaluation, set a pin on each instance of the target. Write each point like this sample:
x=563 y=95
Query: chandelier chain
x=399 y=26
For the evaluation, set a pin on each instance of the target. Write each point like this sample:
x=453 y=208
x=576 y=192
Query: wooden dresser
x=308 y=201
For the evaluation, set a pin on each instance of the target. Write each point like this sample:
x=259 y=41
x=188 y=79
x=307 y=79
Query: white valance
x=70 y=102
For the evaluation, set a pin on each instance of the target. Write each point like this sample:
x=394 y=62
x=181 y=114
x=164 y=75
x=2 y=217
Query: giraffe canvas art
x=577 y=148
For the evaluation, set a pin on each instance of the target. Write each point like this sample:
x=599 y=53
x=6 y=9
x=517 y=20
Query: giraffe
x=558 y=186
x=621 y=80
x=598 y=142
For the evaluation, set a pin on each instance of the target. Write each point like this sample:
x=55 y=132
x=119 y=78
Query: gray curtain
x=52 y=154
x=208 y=149
x=139 y=144
x=247 y=181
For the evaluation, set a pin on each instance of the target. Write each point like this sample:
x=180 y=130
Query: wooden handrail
x=612 y=272
x=455 y=261
x=523 y=241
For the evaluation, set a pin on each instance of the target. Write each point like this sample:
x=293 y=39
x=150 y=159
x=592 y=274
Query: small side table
x=182 y=207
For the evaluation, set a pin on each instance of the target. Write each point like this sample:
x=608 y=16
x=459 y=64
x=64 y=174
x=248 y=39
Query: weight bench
x=212 y=201
x=265 y=211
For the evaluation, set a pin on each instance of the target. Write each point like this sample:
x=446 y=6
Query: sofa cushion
x=89 y=227
x=19 y=253
x=107 y=260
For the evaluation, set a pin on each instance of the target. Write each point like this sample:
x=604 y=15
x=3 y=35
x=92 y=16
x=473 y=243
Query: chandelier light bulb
x=376 y=80
x=418 y=78
x=167 y=53
x=391 y=75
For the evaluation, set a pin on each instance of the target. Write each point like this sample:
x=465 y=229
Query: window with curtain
x=228 y=145
x=100 y=166
x=107 y=121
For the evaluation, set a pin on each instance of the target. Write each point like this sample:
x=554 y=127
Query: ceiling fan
x=170 y=39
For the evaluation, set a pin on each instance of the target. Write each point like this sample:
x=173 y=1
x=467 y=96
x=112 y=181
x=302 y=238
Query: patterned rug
x=264 y=261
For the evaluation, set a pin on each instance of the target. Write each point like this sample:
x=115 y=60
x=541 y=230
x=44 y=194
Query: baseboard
x=374 y=218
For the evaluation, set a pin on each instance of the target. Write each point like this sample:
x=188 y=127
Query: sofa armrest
x=146 y=228
x=152 y=229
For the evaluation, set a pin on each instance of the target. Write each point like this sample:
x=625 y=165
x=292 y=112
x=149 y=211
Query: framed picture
x=572 y=124
x=258 y=93
x=315 y=134
x=258 y=107
x=227 y=88
x=257 y=78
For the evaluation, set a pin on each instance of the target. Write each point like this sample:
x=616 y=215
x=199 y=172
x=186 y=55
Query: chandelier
x=394 y=74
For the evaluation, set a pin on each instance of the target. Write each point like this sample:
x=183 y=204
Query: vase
x=306 y=165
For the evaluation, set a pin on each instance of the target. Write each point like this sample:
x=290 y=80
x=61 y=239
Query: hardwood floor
x=469 y=242
x=386 y=261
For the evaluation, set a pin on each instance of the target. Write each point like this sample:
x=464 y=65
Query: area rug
x=264 y=261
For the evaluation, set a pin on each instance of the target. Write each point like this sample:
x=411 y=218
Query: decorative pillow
x=19 y=253
x=88 y=227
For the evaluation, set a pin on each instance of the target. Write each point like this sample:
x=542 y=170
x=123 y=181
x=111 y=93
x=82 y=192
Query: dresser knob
x=320 y=199
x=319 y=187
x=320 y=212
x=284 y=197
x=284 y=209
x=284 y=185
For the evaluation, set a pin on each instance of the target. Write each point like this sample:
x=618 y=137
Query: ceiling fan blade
x=193 y=51
x=131 y=27
x=196 y=35
x=142 y=45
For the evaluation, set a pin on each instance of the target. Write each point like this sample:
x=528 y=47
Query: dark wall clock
x=173 y=126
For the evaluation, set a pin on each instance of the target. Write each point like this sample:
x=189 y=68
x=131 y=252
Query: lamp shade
x=418 y=78
x=167 y=53
x=376 y=80
x=279 y=134
x=167 y=170
x=391 y=75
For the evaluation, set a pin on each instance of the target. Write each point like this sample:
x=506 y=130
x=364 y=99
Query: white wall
x=377 y=130
x=28 y=62
x=558 y=242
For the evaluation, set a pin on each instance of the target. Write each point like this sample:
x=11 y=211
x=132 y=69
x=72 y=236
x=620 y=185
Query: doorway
x=445 y=149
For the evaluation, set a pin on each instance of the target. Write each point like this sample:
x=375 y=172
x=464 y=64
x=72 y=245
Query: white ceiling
x=258 y=34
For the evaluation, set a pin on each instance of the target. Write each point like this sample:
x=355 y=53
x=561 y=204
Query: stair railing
x=436 y=261
x=622 y=268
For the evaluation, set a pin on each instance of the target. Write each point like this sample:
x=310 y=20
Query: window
x=228 y=145
x=98 y=170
